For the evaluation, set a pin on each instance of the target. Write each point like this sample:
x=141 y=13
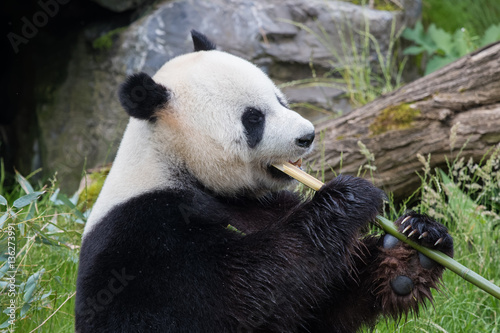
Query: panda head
x=218 y=118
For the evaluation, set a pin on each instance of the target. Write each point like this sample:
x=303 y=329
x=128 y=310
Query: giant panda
x=195 y=231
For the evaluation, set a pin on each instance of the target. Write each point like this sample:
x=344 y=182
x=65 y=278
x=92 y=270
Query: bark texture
x=418 y=119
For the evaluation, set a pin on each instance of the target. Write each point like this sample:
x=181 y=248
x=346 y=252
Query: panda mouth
x=297 y=163
x=277 y=174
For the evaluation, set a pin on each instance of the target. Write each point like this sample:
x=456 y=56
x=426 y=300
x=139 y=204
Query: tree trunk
x=418 y=119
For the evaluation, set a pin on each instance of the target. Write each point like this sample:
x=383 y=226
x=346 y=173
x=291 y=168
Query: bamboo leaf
x=3 y=218
x=26 y=199
x=4 y=269
x=71 y=205
x=31 y=285
x=25 y=184
x=5 y=324
x=24 y=309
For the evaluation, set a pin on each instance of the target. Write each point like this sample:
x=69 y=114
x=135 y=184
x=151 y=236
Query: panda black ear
x=141 y=97
x=201 y=42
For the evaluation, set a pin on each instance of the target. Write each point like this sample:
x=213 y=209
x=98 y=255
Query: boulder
x=82 y=123
x=120 y=5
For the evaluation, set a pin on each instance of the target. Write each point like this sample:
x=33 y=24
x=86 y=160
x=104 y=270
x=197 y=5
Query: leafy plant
x=441 y=47
x=41 y=231
x=476 y=16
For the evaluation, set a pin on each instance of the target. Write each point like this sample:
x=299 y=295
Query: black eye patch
x=253 y=121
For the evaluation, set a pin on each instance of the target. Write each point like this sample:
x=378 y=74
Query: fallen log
x=455 y=107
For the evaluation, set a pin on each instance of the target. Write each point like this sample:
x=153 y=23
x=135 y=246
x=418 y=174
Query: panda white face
x=227 y=122
x=207 y=116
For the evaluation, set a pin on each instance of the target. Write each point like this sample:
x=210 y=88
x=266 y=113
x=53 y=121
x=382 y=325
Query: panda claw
x=406 y=229
x=405 y=219
x=438 y=241
x=424 y=234
x=413 y=233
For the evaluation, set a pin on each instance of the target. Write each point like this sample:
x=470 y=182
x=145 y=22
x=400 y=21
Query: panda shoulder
x=168 y=207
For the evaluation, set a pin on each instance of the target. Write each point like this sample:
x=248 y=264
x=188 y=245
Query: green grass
x=46 y=237
x=358 y=65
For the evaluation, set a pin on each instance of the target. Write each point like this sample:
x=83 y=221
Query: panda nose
x=306 y=140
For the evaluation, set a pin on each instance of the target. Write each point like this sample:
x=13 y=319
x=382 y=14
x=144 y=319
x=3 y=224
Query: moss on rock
x=105 y=42
x=377 y=4
x=91 y=186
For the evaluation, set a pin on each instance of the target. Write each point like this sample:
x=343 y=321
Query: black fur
x=253 y=121
x=165 y=261
x=201 y=42
x=141 y=97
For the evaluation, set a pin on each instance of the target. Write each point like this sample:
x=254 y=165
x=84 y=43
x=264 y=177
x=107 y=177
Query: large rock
x=120 y=5
x=262 y=31
x=82 y=123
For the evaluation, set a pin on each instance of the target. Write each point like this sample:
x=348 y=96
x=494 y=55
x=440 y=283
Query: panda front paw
x=406 y=275
x=353 y=199
x=425 y=231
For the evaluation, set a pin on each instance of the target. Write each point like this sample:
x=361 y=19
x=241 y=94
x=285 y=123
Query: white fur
x=201 y=131
x=136 y=169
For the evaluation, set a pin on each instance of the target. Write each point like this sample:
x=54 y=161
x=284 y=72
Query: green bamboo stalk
x=442 y=259
x=389 y=227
